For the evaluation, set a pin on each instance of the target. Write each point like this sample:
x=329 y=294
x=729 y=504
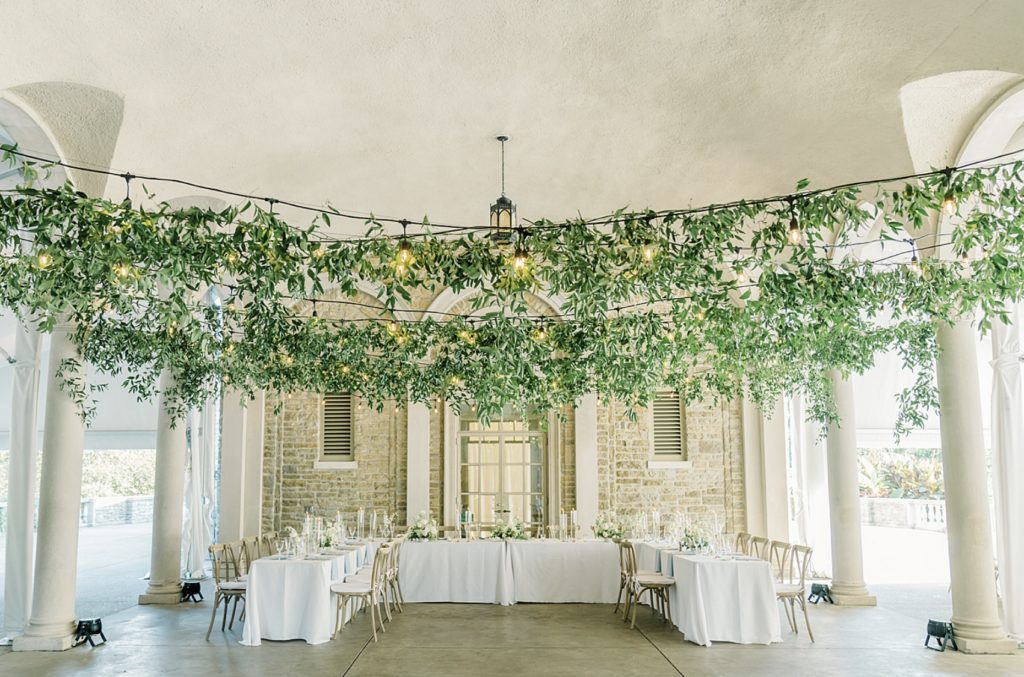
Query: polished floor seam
x=658 y=649
x=358 y=656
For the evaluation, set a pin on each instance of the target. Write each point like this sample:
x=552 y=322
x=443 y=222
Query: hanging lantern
x=503 y=212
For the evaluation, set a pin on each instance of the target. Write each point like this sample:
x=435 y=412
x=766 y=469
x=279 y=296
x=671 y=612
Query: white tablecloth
x=724 y=601
x=649 y=554
x=453 y=571
x=288 y=599
x=553 y=571
x=344 y=561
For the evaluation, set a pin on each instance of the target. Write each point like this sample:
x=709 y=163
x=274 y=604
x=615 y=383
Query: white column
x=965 y=476
x=233 y=444
x=776 y=475
x=418 y=448
x=586 y=461
x=848 y=588
x=812 y=470
x=21 y=500
x=252 y=500
x=168 y=502
x=753 y=470
x=51 y=625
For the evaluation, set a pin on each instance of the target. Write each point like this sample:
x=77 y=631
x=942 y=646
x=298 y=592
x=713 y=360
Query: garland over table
x=754 y=297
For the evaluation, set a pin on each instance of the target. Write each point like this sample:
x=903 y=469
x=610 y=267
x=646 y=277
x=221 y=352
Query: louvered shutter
x=669 y=427
x=337 y=440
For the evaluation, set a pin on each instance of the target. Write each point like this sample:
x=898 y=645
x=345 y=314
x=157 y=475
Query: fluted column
x=965 y=476
x=51 y=624
x=848 y=588
x=168 y=500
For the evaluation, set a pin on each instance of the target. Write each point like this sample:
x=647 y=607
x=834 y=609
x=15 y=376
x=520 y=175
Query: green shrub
x=901 y=473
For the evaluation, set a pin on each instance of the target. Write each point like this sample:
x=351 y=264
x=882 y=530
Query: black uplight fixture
x=503 y=212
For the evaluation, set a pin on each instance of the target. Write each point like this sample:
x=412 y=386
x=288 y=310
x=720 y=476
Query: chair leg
x=216 y=603
x=622 y=585
x=632 y=620
x=785 y=607
x=234 y=608
x=224 y=620
x=807 y=619
x=373 y=622
x=401 y=597
x=668 y=608
x=792 y=612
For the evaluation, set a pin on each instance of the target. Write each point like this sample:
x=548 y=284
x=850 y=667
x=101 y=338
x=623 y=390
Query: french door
x=502 y=468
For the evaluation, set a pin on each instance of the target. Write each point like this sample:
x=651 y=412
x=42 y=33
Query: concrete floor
x=112 y=561
x=527 y=639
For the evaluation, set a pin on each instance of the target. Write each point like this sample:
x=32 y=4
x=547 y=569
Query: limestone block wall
x=713 y=485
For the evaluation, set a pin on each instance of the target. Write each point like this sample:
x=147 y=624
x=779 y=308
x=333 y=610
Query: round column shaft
x=975 y=619
x=168 y=499
x=51 y=625
x=848 y=588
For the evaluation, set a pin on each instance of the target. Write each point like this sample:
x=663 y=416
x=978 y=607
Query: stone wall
x=714 y=447
x=714 y=483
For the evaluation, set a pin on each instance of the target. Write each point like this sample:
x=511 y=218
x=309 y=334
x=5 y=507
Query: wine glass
x=278 y=544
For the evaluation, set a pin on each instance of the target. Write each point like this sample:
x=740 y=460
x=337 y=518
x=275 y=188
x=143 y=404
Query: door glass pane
x=514 y=450
x=536 y=450
x=537 y=508
x=489 y=450
x=514 y=479
x=488 y=479
x=536 y=479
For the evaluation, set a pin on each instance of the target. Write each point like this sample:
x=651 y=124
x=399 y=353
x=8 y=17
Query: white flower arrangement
x=695 y=536
x=289 y=532
x=424 y=528
x=512 y=530
x=608 y=527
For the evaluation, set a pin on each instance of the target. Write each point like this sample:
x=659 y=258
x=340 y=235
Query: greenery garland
x=753 y=297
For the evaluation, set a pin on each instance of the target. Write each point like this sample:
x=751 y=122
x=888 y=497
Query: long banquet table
x=554 y=571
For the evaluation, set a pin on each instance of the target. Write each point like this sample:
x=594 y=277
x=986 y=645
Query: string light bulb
x=648 y=251
x=122 y=270
x=915 y=265
x=949 y=203
x=404 y=251
x=232 y=257
x=794 y=231
x=392 y=326
x=519 y=259
x=45 y=260
x=317 y=253
x=741 y=276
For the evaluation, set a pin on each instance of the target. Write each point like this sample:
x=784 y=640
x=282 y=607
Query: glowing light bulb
x=400 y=269
x=317 y=253
x=45 y=260
x=949 y=204
x=741 y=277
x=670 y=336
x=122 y=270
x=344 y=370
x=519 y=260
x=915 y=265
x=473 y=408
x=404 y=251
x=232 y=257
x=794 y=232
x=648 y=251
x=392 y=326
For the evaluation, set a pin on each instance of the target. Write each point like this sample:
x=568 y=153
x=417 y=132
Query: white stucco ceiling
x=393 y=106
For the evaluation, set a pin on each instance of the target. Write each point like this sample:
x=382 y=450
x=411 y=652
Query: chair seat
x=361 y=577
x=347 y=588
x=243 y=577
x=788 y=589
x=653 y=579
x=233 y=586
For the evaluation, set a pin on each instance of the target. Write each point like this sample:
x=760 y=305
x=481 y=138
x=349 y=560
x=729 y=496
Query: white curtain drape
x=1008 y=468
x=197 y=528
x=21 y=503
x=811 y=523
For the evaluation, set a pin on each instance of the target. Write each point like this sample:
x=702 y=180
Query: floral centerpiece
x=513 y=529
x=695 y=536
x=424 y=528
x=289 y=532
x=608 y=528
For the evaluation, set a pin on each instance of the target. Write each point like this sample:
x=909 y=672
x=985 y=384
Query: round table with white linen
x=547 y=570
x=716 y=600
x=456 y=571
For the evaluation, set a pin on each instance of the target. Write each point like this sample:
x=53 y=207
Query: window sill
x=335 y=465
x=669 y=465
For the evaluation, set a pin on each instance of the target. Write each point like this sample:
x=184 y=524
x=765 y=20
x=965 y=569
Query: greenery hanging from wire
x=754 y=298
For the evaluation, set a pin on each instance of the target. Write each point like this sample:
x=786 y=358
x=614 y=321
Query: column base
x=853 y=600
x=161 y=598
x=29 y=643
x=966 y=645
